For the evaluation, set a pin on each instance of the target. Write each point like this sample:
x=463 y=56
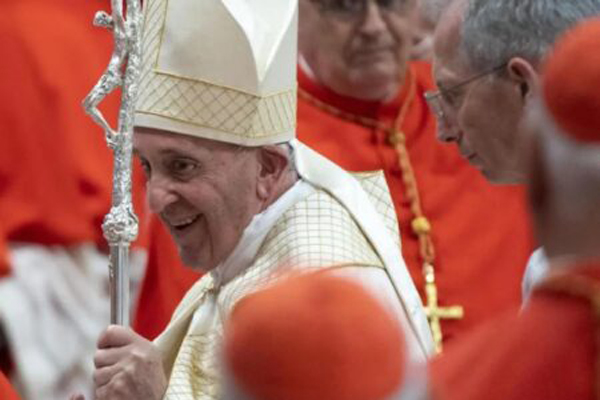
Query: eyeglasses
x=437 y=98
x=349 y=9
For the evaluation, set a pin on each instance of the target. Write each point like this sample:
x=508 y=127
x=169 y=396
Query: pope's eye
x=146 y=167
x=182 y=166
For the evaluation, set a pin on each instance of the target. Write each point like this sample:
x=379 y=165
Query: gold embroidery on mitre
x=203 y=104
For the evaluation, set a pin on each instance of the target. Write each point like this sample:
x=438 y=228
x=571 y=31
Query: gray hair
x=289 y=149
x=285 y=146
x=494 y=31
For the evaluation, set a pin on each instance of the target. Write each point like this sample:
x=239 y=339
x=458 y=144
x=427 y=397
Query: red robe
x=550 y=351
x=6 y=390
x=55 y=167
x=481 y=232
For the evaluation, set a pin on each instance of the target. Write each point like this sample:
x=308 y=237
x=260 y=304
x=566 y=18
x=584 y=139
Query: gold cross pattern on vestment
x=434 y=312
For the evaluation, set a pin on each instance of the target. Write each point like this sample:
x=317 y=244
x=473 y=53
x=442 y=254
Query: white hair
x=289 y=150
x=494 y=31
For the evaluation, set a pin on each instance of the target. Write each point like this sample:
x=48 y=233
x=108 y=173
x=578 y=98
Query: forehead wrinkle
x=174 y=152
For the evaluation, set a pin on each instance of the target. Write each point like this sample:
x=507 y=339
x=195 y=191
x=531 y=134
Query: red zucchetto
x=571 y=82
x=312 y=338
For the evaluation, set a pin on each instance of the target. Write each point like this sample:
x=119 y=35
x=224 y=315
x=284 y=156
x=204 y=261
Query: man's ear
x=525 y=77
x=273 y=163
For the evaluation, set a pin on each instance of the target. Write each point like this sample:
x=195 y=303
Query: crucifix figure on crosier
x=120 y=225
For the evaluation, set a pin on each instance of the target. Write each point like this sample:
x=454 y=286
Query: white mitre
x=220 y=69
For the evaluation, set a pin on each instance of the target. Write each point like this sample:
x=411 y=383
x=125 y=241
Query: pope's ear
x=524 y=75
x=273 y=163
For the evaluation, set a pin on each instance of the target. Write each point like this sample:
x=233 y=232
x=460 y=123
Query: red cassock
x=481 y=232
x=549 y=351
x=55 y=167
x=6 y=390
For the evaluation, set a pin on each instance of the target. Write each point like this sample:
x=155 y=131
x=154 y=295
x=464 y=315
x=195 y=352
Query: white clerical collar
x=256 y=231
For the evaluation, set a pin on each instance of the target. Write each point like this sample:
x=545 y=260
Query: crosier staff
x=120 y=225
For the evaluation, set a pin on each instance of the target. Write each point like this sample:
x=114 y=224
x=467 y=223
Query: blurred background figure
x=55 y=187
x=315 y=337
x=361 y=104
x=428 y=15
x=550 y=351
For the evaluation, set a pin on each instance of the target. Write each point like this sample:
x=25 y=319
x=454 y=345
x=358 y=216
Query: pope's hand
x=127 y=367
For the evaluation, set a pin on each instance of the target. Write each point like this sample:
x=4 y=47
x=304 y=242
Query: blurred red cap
x=315 y=337
x=571 y=82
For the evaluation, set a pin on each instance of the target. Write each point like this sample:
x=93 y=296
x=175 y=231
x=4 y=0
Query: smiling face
x=361 y=54
x=204 y=191
x=483 y=116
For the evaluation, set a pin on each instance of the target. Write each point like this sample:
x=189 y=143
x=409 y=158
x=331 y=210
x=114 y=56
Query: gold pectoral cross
x=434 y=312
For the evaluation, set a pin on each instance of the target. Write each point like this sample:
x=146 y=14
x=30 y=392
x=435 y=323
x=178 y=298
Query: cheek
x=322 y=38
x=237 y=199
x=334 y=49
x=468 y=118
x=476 y=126
x=226 y=223
x=490 y=134
x=401 y=30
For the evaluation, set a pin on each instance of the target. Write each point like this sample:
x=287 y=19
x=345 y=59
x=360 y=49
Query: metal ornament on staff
x=120 y=225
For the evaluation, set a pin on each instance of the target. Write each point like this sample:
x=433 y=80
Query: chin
x=376 y=76
x=376 y=88
x=492 y=177
x=192 y=260
x=504 y=178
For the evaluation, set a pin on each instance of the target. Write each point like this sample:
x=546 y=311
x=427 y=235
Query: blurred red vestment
x=6 y=390
x=549 y=351
x=55 y=167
